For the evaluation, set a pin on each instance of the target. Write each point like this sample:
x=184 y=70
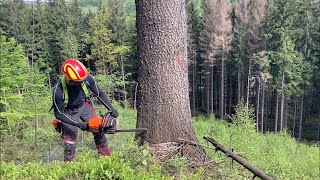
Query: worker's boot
x=69 y=151
x=103 y=150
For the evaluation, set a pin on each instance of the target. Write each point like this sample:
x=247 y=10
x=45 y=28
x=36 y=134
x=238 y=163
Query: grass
x=278 y=155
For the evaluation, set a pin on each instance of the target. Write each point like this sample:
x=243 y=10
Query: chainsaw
x=139 y=131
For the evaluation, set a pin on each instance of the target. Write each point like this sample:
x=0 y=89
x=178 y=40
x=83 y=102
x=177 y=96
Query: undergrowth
x=278 y=155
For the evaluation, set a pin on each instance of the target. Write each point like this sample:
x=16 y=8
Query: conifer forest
x=201 y=66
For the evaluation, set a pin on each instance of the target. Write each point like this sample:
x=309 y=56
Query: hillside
x=278 y=155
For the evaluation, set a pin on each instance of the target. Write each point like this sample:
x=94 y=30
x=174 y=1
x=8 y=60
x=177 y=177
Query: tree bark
x=36 y=125
x=239 y=88
x=230 y=95
x=294 y=118
x=277 y=113
x=258 y=104
x=7 y=110
x=135 y=97
x=164 y=107
x=262 y=106
x=301 y=117
x=123 y=80
x=248 y=82
x=221 y=99
x=286 y=112
x=216 y=92
x=208 y=91
x=194 y=83
x=318 y=138
x=212 y=89
x=282 y=103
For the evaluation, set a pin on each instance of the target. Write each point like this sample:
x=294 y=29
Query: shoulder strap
x=85 y=89
x=65 y=90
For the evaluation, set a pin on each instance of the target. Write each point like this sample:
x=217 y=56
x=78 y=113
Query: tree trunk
x=194 y=80
x=212 y=89
x=267 y=109
x=239 y=88
x=135 y=97
x=7 y=110
x=123 y=80
x=294 y=118
x=36 y=125
x=286 y=112
x=262 y=106
x=164 y=107
x=318 y=139
x=277 y=112
x=203 y=94
x=216 y=92
x=282 y=103
x=258 y=104
x=208 y=92
x=230 y=95
x=221 y=99
x=301 y=117
x=248 y=82
x=225 y=96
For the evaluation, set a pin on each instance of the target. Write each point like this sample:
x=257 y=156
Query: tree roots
x=193 y=152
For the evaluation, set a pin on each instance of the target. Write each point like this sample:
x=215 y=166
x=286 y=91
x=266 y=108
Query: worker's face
x=74 y=83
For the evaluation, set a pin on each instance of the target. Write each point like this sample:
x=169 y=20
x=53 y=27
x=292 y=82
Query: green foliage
x=102 y=52
x=128 y=163
x=109 y=83
x=244 y=117
x=262 y=58
x=278 y=155
x=288 y=63
x=291 y=31
x=4 y=14
x=14 y=79
x=24 y=98
x=49 y=32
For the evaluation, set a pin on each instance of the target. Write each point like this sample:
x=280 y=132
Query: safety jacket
x=65 y=90
x=69 y=97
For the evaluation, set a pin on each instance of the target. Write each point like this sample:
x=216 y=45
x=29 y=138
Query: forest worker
x=74 y=110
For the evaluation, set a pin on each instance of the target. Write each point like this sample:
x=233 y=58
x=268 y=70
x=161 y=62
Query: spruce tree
x=14 y=79
x=194 y=29
x=222 y=45
x=102 y=49
x=119 y=26
x=207 y=55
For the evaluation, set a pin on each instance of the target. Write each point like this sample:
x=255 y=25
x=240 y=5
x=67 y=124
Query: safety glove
x=83 y=126
x=56 y=123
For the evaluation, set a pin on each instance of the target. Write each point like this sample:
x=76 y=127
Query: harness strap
x=65 y=90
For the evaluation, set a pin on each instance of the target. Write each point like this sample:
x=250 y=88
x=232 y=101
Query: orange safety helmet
x=74 y=70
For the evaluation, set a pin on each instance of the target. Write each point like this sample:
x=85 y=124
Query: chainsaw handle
x=107 y=114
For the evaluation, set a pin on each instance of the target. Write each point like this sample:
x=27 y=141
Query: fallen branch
x=237 y=158
x=192 y=143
